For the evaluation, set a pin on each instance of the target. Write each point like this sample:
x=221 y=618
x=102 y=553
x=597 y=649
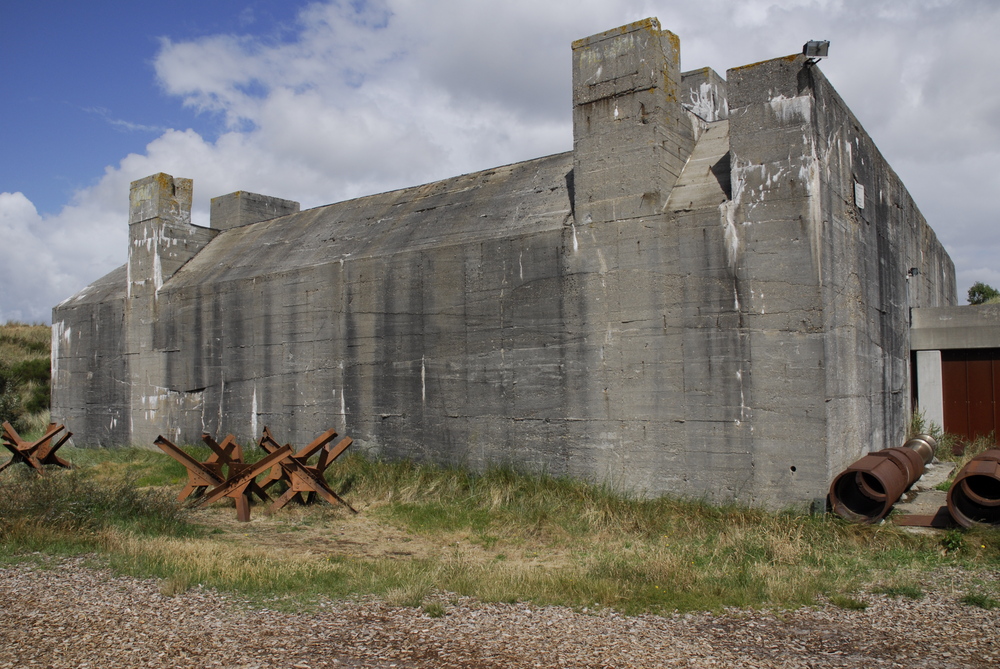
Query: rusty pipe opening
x=974 y=496
x=866 y=490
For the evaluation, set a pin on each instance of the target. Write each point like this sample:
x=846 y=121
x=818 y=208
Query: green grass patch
x=142 y=466
x=909 y=591
x=980 y=600
x=848 y=603
x=437 y=517
x=434 y=609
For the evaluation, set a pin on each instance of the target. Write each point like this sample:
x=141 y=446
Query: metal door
x=971 y=387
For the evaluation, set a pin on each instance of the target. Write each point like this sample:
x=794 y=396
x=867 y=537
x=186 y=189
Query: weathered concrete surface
x=161 y=241
x=694 y=301
x=631 y=136
x=703 y=93
x=930 y=388
x=243 y=208
x=824 y=234
x=90 y=377
x=944 y=328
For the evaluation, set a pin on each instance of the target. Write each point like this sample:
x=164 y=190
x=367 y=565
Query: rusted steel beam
x=46 y=452
x=866 y=490
x=974 y=496
x=941 y=519
x=301 y=478
x=238 y=485
x=226 y=452
x=230 y=453
x=316 y=444
x=35 y=453
x=201 y=475
x=330 y=454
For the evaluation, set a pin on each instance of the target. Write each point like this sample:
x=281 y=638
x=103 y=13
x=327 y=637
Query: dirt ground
x=330 y=531
x=64 y=613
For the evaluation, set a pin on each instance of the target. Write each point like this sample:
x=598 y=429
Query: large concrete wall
x=824 y=235
x=691 y=302
x=90 y=381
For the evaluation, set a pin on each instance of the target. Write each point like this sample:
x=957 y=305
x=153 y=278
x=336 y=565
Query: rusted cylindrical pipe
x=866 y=491
x=924 y=444
x=974 y=496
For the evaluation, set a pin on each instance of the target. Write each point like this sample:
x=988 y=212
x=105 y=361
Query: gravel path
x=64 y=614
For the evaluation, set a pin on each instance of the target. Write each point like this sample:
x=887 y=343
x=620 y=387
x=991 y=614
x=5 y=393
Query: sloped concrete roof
x=506 y=201
x=110 y=286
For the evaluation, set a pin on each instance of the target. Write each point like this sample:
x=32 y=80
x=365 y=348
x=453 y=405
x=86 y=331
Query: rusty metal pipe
x=866 y=490
x=974 y=496
x=924 y=444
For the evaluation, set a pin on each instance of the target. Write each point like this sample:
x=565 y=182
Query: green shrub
x=980 y=600
x=10 y=406
x=953 y=541
x=982 y=293
x=24 y=373
x=35 y=369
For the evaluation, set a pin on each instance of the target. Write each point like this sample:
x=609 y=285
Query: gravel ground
x=65 y=614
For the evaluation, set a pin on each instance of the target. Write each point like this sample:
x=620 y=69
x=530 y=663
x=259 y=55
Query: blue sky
x=321 y=101
x=80 y=88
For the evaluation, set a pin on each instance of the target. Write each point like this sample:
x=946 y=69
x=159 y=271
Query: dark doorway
x=971 y=386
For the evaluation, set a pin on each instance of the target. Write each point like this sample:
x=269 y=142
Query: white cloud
x=46 y=259
x=409 y=91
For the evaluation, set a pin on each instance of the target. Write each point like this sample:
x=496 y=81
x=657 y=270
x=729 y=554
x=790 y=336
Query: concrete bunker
x=708 y=296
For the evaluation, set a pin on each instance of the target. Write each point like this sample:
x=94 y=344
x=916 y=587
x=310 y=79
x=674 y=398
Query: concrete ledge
x=944 y=328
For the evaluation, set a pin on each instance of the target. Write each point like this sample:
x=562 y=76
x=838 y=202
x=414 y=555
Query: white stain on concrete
x=253 y=412
x=743 y=404
x=703 y=102
x=809 y=173
x=727 y=216
x=222 y=394
x=157 y=273
x=56 y=337
x=787 y=110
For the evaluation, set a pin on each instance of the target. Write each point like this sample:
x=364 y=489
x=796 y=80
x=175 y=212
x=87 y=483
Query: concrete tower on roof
x=707 y=297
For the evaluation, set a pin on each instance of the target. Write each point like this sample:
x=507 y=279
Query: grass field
x=498 y=536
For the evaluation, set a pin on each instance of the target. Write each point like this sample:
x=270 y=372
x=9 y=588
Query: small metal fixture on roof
x=816 y=49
